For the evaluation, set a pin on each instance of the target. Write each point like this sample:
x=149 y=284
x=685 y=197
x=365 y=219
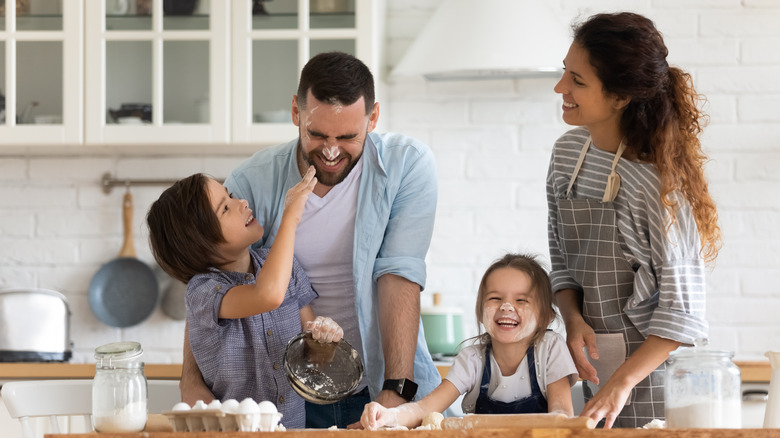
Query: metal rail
x=108 y=182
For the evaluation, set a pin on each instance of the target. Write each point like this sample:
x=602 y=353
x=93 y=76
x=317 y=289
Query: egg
x=230 y=406
x=199 y=405
x=181 y=406
x=267 y=407
x=248 y=406
x=215 y=404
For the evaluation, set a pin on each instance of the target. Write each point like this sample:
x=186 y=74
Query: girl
x=516 y=366
x=630 y=218
x=243 y=305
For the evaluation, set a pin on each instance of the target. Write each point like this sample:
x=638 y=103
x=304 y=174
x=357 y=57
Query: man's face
x=332 y=136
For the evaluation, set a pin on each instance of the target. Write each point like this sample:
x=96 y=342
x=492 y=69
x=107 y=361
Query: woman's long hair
x=662 y=122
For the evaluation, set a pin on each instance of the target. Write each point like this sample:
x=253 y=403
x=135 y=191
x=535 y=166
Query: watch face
x=404 y=387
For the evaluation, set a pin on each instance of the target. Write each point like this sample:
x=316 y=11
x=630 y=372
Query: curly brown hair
x=663 y=120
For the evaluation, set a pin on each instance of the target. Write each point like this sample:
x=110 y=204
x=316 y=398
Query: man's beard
x=328 y=178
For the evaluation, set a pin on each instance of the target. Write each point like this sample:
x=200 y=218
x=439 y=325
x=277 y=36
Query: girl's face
x=510 y=308
x=584 y=100
x=239 y=227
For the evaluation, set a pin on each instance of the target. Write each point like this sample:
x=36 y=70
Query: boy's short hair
x=184 y=231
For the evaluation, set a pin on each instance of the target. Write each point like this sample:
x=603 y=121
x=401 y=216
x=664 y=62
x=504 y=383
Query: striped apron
x=590 y=243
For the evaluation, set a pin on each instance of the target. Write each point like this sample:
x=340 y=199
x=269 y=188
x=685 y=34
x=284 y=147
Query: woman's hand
x=608 y=402
x=376 y=416
x=580 y=335
x=325 y=330
x=295 y=200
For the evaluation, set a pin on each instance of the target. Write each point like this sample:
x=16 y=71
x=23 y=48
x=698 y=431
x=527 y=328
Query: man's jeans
x=340 y=414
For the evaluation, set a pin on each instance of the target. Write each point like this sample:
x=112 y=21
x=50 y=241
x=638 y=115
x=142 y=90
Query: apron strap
x=613 y=180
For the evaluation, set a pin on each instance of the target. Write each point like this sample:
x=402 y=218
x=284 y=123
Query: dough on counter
x=655 y=424
x=433 y=421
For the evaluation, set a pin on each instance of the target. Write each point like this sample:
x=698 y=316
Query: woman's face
x=510 y=309
x=239 y=227
x=584 y=100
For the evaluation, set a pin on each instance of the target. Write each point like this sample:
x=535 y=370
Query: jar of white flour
x=702 y=389
x=119 y=388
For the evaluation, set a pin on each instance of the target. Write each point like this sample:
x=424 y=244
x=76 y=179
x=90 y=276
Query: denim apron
x=590 y=243
x=533 y=404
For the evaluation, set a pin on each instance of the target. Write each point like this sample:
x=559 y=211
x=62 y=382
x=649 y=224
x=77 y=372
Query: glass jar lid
x=119 y=351
x=699 y=349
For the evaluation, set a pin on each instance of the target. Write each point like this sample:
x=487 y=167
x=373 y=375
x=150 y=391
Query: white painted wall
x=492 y=142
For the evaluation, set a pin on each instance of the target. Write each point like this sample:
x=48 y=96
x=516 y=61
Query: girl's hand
x=325 y=329
x=607 y=403
x=376 y=416
x=578 y=335
x=295 y=200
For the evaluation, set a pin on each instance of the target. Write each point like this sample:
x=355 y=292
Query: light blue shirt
x=395 y=215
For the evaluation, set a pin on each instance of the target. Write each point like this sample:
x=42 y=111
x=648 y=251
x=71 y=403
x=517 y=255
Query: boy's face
x=332 y=136
x=239 y=227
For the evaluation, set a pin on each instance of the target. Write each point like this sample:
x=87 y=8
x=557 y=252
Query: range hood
x=488 y=39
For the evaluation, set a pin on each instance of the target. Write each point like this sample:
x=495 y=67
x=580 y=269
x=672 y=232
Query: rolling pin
x=504 y=421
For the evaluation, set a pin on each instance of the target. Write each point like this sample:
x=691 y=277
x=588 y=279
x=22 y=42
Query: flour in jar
x=130 y=418
x=705 y=413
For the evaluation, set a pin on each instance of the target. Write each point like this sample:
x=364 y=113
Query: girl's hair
x=662 y=121
x=540 y=286
x=184 y=231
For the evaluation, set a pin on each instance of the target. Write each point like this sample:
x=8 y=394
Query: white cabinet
x=269 y=51
x=131 y=72
x=41 y=78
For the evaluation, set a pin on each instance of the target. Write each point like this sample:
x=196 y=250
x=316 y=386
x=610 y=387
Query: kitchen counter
x=57 y=370
x=758 y=371
x=466 y=433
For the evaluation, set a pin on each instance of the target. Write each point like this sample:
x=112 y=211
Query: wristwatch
x=406 y=388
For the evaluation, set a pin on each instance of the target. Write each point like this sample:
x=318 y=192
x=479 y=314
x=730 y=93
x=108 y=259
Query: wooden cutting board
x=529 y=421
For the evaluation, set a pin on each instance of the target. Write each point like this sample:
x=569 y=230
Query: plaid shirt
x=242 y=358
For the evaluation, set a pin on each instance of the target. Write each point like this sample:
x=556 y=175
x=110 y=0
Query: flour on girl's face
x=525 y=316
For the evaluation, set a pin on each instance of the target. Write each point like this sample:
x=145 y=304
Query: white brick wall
x=492 y=141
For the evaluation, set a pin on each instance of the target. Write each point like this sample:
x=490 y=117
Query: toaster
x=34 y=326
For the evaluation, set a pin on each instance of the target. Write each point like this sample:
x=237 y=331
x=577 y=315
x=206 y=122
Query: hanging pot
x=124 y=291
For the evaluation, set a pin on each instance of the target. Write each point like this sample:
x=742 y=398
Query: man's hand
x=192 y=386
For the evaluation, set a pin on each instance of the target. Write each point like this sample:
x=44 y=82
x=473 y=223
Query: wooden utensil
x=527 y=421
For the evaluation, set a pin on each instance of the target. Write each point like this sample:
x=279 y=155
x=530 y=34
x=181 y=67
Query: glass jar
x=702 y=389
x=119 y=388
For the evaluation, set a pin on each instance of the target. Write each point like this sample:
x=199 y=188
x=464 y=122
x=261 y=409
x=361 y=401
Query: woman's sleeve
x=559 y=273
x=670 y=293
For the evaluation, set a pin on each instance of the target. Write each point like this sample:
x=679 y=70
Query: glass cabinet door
x=40 y=77
x=157 y=71
x=278 y=38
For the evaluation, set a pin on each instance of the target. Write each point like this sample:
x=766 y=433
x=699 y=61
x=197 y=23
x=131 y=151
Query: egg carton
x=207 y=420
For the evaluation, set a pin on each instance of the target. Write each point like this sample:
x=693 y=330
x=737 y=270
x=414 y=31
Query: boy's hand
x=295 y=200
x=325 y=330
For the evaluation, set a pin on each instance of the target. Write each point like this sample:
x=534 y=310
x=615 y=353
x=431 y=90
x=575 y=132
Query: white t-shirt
x=324 y=247
x=553 y=362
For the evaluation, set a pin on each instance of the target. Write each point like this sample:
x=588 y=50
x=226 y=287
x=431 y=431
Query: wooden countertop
x=57 y=370
x=465 y=433
x=758 y=371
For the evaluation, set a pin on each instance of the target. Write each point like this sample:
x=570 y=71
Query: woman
x=631 y=221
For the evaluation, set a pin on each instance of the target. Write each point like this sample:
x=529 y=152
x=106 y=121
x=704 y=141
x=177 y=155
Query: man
x=363 y=236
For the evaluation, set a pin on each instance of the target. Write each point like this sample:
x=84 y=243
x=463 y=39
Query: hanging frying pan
x=124 y=291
